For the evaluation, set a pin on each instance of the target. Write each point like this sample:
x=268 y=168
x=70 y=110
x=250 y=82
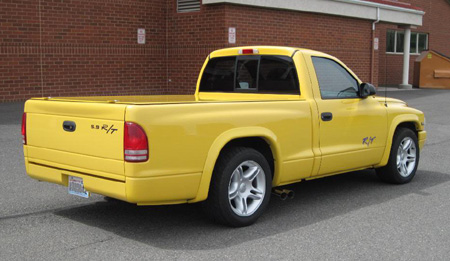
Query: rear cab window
x=264 y=74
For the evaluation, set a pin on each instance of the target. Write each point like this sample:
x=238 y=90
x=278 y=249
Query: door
x=352 y=129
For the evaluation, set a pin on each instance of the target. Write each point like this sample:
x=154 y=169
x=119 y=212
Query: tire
x=240 y=187
x=403 y=158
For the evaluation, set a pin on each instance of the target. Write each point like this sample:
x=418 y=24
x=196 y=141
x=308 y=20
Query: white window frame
x=417 y=42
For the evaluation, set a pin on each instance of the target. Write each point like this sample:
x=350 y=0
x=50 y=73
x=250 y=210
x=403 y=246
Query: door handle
x=69 y=126
x=327 y=116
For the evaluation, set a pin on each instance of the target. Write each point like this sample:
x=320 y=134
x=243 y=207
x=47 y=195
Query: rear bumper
x=172 y=189
x=422 y=138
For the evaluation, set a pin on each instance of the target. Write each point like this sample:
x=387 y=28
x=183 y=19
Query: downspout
x=378 y=19
x=167 y=50
x=41 y=50
x=372 y=65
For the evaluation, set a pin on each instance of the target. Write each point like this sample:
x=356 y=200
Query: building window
x=395 y=42
x=186 y=6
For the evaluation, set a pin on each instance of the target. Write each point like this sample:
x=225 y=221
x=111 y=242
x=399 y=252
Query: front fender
x=220 y=142
x=413 y=118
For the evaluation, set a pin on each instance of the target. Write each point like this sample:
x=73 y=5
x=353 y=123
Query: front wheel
x=403 y=159
x=240 y=187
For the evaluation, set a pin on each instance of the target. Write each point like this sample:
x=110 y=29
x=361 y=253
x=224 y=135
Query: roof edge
x=346 y=8
x=384 y=6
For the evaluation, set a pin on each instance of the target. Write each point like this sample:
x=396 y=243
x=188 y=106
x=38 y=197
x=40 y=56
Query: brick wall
x=436 y=23
x=89 y=47
x=76 y=48
x=86 y=47
x=346 y=38
x=193 y=36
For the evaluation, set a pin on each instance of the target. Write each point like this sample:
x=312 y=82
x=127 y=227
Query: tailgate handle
x=69 y=126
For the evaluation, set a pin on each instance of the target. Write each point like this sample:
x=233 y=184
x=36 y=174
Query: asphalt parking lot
x=352 y=216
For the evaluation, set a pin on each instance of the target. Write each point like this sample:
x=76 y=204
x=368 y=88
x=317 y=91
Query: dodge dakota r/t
x=261 y=117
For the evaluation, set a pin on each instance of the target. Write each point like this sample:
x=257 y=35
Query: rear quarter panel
x=181 y=136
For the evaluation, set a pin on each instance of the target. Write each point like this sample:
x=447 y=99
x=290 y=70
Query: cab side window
x=335 y=82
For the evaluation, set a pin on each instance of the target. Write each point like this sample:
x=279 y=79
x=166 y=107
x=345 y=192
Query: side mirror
x=366 y=90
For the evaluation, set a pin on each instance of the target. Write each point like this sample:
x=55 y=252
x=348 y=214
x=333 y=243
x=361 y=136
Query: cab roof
x=262 y=50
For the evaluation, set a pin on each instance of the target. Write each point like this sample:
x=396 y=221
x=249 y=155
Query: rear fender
x=223 y=140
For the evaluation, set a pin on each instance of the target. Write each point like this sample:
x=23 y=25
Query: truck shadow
x=185 y=226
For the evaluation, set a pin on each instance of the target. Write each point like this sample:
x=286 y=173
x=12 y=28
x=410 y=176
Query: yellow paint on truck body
x=186 y=134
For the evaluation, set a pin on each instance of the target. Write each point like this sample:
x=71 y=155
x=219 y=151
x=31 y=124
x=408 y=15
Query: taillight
x=135 y=143
x=24 y=128
x=248 y=51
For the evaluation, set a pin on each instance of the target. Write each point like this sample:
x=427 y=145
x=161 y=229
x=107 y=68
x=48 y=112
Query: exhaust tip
x=290 y=194
x=284 y=194
x=280 y=193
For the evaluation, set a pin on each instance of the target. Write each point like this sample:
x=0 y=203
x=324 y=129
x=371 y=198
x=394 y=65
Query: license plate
x=76 y=187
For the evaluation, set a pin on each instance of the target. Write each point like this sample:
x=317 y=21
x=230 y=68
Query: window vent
x=185 y=6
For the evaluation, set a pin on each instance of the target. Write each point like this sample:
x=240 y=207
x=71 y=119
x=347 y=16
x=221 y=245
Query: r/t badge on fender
x=368 y=141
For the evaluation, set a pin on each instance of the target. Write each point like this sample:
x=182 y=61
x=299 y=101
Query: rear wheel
x=403 y=159
x=240 y=187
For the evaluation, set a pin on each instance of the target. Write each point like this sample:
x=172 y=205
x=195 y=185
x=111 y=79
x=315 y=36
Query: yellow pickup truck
x=261 y=117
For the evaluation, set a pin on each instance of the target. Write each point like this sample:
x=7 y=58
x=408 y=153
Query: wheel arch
x=410 y=121
x=247 y=136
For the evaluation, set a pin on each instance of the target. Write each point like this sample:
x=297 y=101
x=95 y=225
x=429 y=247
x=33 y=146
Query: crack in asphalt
x=36 y=213
x=89 y=244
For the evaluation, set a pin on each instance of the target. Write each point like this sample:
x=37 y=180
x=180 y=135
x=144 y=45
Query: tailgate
x=81 y=136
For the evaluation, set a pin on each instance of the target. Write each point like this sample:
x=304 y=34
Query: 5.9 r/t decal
x=104 y=127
